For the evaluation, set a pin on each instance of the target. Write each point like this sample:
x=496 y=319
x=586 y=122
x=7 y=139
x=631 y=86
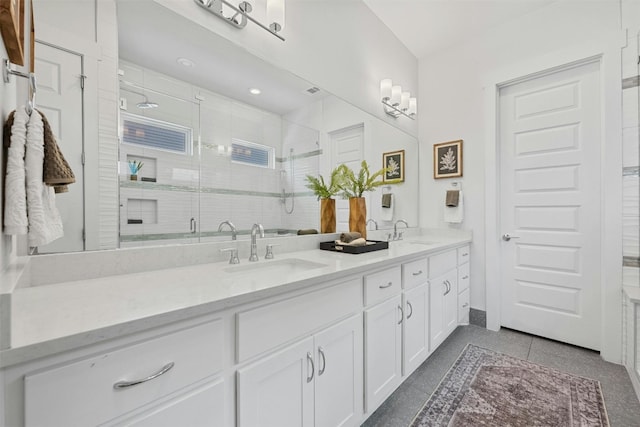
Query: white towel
x=454 y=214
x=15 y=198
x=45 y=224
x=387 y=213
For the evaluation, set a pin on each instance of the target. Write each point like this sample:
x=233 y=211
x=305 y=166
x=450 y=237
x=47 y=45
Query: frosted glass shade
x=413 y=106
x=385 y=88
x=275 y=12
x=404 y=100
x=396 y=95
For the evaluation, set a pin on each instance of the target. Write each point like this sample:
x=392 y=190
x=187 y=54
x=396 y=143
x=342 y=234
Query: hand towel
x=387 y=213
x=15 y=197
x=455 y=214
x=349 y=237
x=452 y=198
x=45 y=224
x=57 y=172
x=307 y=231
x=361 y=241
x=386 y=200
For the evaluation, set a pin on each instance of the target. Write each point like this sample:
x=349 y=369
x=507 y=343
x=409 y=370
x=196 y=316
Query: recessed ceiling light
x=255 y=91
x=185 y=62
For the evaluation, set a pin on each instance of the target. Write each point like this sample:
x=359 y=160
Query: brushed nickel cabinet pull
x=126 y=384
x=388 y=285
x=313 y=367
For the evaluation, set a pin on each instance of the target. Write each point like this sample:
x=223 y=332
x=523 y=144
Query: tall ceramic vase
x=327 y=215
x=358 y=215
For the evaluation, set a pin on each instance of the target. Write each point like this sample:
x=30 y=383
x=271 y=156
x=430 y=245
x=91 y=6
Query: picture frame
x=447 y=159
x=12 y=29
x=394 y=162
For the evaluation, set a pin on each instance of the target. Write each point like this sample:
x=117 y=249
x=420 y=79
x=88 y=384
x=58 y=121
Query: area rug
x=485 y=388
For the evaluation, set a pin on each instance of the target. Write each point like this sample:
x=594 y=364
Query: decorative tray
x=372 y=245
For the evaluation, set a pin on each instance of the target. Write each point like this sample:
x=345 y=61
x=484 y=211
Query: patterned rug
x=485 y=388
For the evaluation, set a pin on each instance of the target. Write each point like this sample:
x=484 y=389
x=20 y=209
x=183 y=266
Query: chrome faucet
x=374 y=222
x=255 y=228
x=234 y=231
x=396 y=235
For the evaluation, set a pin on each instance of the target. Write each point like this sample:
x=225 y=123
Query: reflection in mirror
x=212 y=150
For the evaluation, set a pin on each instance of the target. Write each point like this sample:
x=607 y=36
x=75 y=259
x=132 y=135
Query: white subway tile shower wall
x=210 y=188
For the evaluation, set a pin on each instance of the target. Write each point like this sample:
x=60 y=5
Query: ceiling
x=426 y=26
x=220 y=66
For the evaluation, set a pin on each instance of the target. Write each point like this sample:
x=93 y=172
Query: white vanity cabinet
x=415 y=296
x=383 y=335
x=148 y=383
x=314 y=382
x=463 y=285
x=443 y=296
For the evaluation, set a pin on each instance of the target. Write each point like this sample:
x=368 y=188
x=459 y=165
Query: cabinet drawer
x=441 y=263
x=83 y=393
x=382 y=285
x=272 y=325
x=463 y=255
x=414 y=273
x=463 y=307
x=463 y=277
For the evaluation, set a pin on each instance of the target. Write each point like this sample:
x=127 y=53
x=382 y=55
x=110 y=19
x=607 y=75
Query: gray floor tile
x=622 y=405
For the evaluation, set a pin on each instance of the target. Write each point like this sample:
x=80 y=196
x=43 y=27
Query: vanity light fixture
x=396 y=102
x=274 y=12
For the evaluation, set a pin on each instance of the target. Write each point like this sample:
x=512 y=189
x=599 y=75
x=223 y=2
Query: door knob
x=506 y=237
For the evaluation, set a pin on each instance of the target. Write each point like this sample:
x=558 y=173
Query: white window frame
x=271 y=153
x=188 y=132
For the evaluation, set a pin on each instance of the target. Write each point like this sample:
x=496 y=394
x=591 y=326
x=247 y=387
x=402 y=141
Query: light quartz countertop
x=58 y=317
x=633 y=293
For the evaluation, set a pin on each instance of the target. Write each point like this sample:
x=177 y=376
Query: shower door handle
x=192 y=225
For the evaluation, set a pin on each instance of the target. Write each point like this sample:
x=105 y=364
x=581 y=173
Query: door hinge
x=83 y=158
x=84 y=235
x=82 y=78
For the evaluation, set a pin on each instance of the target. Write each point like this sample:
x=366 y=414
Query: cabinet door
x=451 y=302
x=278 y=390
x=416 y=328
x=202 y=406
x=383 y=351
x=437 y=289
x=339 y=374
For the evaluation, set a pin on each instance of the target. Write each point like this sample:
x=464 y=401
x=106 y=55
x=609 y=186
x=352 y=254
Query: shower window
x=250 y=153
x=157 y=134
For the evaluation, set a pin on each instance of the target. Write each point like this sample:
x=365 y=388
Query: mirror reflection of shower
x=289 y=206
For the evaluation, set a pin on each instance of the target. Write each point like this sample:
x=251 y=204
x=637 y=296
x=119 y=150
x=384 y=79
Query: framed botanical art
x=447 y=159
x=394 y=163
x=12 y=28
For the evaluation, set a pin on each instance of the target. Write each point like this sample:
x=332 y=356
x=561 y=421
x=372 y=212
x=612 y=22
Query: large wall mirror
x=226 y=138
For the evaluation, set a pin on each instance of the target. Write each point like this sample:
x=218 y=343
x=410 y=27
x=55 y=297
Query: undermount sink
x=279 y=266
x=420 y=242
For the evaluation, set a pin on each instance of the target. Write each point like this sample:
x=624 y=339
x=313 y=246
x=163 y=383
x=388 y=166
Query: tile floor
x=400 y=408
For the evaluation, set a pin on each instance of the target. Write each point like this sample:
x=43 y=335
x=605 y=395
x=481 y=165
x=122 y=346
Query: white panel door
x=277 y=391
x=59 y=98
x=346 y=148
x=416 y=328
x=339 y=379
x=550 y=141
x=383 y=351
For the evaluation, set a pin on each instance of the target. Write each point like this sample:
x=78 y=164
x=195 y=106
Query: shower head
x=146 y=104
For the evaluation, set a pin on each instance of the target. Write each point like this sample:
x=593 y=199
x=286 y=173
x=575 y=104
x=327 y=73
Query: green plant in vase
x=325 y=193
x=353 y=187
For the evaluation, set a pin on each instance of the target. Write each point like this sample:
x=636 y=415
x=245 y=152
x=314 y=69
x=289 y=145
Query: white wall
x=453 y=103
x=340 y=46
x=8 y=104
